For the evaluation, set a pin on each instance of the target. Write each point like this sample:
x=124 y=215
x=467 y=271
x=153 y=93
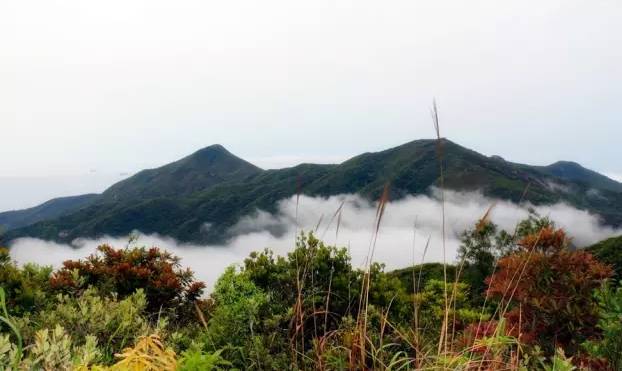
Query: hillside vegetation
x=519 y=300
x=610 y=252
x=214 y=186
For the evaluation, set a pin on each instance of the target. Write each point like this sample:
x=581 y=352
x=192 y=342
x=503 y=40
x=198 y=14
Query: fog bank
x=398 y=244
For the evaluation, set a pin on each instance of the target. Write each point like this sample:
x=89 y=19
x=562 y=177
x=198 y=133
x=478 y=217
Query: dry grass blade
x=336 y=214
x=338 y=224
x=522 y=197
x=485 y=220
x=442 y=344
x=319 y=222
x=384 y=199
x=359 y=351
x=200 y=315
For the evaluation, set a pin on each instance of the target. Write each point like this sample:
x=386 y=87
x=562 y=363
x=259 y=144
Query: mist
x=406 y=226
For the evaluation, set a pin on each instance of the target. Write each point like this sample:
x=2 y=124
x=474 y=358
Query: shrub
x=314 y=268
x=609 y=343
x=148 y=354
x=609 y=251
x=237 y=305
x=479 y=249
x=27 y=289
x=549 y=290
x=431 y=306
x=123 y=271
x=236 y=319
x=50 y=350
x=113 y=323
x=195 y=359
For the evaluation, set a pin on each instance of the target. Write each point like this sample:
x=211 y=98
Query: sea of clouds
x=406 y=226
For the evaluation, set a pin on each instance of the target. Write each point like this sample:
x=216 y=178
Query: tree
x=311 y=273
x=479 y=250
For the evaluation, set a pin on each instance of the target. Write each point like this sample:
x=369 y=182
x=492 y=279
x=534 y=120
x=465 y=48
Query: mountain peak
x=215 y=152
x=214 y=148
x=565 y=165
x=197 y=172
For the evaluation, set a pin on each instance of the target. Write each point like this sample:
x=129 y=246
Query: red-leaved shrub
x=123 y=271
x=548 y=290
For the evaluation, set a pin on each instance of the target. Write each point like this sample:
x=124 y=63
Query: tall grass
x=7 y=320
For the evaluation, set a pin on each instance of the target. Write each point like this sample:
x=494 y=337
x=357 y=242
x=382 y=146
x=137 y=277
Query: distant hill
x=576 y=173
x=214 y=188
x=48 y=210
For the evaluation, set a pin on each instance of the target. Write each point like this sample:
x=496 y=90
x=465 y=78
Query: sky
x=93 y=91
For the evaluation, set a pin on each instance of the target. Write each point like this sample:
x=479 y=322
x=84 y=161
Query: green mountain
x=48 y=210
x=576 y=173
x=198 y=198
x=205 y=168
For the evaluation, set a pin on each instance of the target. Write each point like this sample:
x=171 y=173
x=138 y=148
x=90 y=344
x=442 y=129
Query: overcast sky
x=92 y=90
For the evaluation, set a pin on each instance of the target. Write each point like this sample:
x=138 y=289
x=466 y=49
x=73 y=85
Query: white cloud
x=395 y=242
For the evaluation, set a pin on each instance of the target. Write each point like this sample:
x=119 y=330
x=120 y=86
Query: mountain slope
x=574 y=172
x=609 y=251
x=49 y=210
x=201 y=196
x=201 y=170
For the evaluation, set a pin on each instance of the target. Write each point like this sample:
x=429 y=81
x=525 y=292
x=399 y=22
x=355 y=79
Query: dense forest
x=513 y=300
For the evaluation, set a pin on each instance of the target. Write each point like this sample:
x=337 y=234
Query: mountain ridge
x=216 y=187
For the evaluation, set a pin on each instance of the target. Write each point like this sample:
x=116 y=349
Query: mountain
x=576 y=173
x=198 y=198
x=48 y=210
x=205 y=168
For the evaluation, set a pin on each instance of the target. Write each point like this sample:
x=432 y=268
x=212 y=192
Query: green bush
x=27 y=288
x=305 y=310
x=609 y=346
x=113 y=323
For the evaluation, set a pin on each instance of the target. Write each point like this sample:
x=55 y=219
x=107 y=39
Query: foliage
x=431 y=306
x=483 y=245
x=237 y=307
x=609 y=343
x=547 y=290
x=113 y=323
x=609 y=251
x=479 y=250
x=149 y=354
x=312 y=267
x=11 y=353
x=123 y=271
x=414 y=278
x=306 y=310
x=27 y=288
x=50 y=350
x=195 y=359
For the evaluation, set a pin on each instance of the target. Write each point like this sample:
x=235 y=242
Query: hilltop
x=214 y=186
